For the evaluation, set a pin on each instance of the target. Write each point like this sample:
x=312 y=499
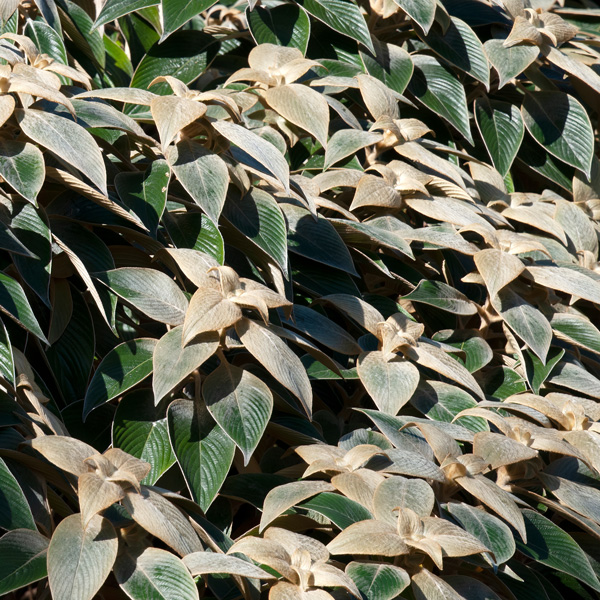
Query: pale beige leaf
x=283 y=497
x=193 y=264
x=295 y=541
x=375 y=191
x=272 y=57
x=324 y=575
x=66 y=453
x=303 y=107
x=573 y=67
x=205 y=563
x=209 y=310
x=95 y=494
x=288 y=591
x=369 y=537
x=446 y=210
x=497 y=268
x=172 y=114
x=380 y=100
x=266 y=552
x=400 y=492
x=162 y=519
x=277 y=358
x=7 y=106
x=359 y=486
x=454 y=540
x=534 y=217
x=132 y=95
x=427 y=586
x=358 y=310
x=440 y=239
x=570 y=281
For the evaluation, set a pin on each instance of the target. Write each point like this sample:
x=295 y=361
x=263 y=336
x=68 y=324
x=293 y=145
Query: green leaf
x=509 y=62
x=502 y=130
x=140 y=429
x=378 y=581
x=79 y=560
x=258 y=216
x=69 y=141
x=114 y=9
x=560 y=124
x=175 y=13
x=347 y=142
x=441 y=295
x=487 y=528
x=550 y=545
x=145 y=193
x=525 y=320
x=316 y=239
x=173 y=362
x=150 y=291
x=421 y=11
x=7 y=363
x=240 y=403
x=154 y=574
x=392 y=65
x=203 y=174
x=438 y=88
x=576 y=330
x=15 y=512
x=203 y=450
x=196 y=231
x=80 y=27
x=283 y=25
x=342 y=16
x=22 y=559
x=47 y=40
x=537 y=372
x=22 y=167
x=340 y=510
x=123 y=367
x=14 y=303
x=458 y=44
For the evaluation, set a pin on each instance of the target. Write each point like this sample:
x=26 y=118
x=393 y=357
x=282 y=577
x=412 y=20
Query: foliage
x=299 y=299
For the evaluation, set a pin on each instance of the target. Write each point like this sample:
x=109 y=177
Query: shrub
x=299 y=300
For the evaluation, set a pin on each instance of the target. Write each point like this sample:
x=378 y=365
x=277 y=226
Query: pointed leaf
x=15 y=512
x=378 y=581
x=421 y=11
x=22 y=559
x=14 y=303
x=22 y=167
x=176 y=13
x=509 y=62
x=283 y=25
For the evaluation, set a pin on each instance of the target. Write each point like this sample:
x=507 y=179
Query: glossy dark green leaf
x=550 y=545
x=537 y=372
x=390 y=64
x=196 y=231
x=47 y=40
x=175 y=13
x=258 y=216
x=459 y=45
x=14 y=303
x=438 y=88
x=22 y=167
x=378 y=581
x=22 y=559
x=342 y=16
x=509 y=62
x=560 y=124
x=240 y=403
x=284 y=25
x=502 y=130
x=115 y=9
x=80 y=26
x=421 y=11
x=340 y=510
x=316 y=239
x=123 y=367
x=203 y=450
x=7 y=363
x=15 y=512
x=145 y=193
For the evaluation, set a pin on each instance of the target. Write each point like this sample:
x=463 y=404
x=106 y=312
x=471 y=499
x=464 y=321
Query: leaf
x=123 y=367
x=390 y=382
x=340 y=510
x=173 y=362
x=258 y=216
x=22 y=167
x=15 y=512
x=537 y=372
x=459 y=45
x=509 y=62
x=438 y=88
x=205 y=563
x=203 y=450
x=577 y=330
x=114 y=9
x=378 y=581
x=79 y=560
x=240 y=403
x=140 y=429
x=525 y=320
x=204 y=175
x=369 y=537
x=570 y=281
x=502 y=130
x=441 y=295
x=392 y=65
x=400 y=492
x=342 y=16
x=285 y=496
x=492 y=532
x=145 y=193
x=69 y=141
x=14 y=303
x=154 y=574
x=277 y=358
x=560 y=124
x=427 y=586
x=150 y=291
x=195 y=231
x=497 y=268
x=176 y=13
x=550 y=545
x=421 y=11
x=22 y=559
x=316 y=239
x=283 y=25
x=346 y=142
x=302 y=106
x=7 y=362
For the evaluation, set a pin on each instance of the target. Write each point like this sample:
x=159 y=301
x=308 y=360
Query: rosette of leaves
x=299 y=299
